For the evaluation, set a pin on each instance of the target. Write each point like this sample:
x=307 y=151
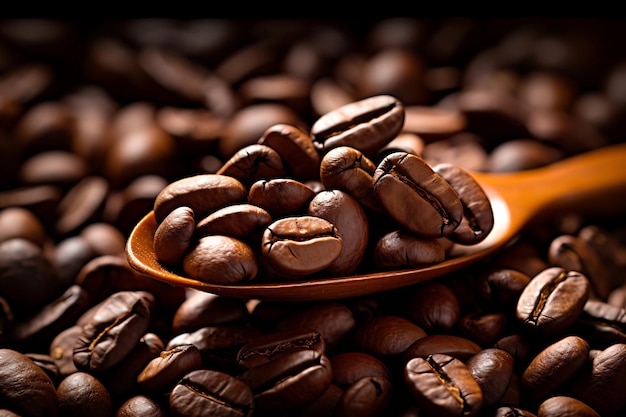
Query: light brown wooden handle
x=593 y=182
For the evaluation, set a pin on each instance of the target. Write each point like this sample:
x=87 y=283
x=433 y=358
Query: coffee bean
x=366 y=125
x=431 y=208
x=443 y=385
x=553 y=300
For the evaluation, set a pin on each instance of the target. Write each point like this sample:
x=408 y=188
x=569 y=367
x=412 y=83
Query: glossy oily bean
x=366 y=125
x=113 y=331
x=351 y=221
x=443 y=386
x=203 y=193
x=501 y=287
x=21 y=380
x=301 y=245
x=430 y=207
x=220 y=259
x=205 y=391
x=218 y=345
x=289 y=382
x=237 y=220
x=348 y=169
x=334 y=320
x=280 y=196
x=404 y=249
x=553 y=300
x=433 y=306
x=493 y=369
x=387 y=335
x=82 y=394
x=553 y=366
x=369 y=396
x=141 y=405
x=448 y=344
x=295 y=148
x=173 y=235
x=351 y=366
x=27 y=277
x=162 y=372
x=565 y=406
x=200 y=309
x=599 y=388
x=575 y=254
x=477 y=221
x=44 y=324
x=252 y=163
x=268 y=347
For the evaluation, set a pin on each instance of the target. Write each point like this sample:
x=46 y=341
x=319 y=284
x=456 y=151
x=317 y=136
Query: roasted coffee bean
x=448 y=344
x=477 y=221
x=200 y=309
x=511 y=411
x=366 y=125
x=163 y=372
x=121 y=380
x=27 y=277
x=483 y=328
x=206 y=391
x=241 y=221
x=598 y=388
x=62 y=349
x=173 y=235
x=218 y=345
x=387 y=335
x=561 y=405
x=295 y=148
x=203 y=193
x=443 y=385
x=334 y=320
x=553 y=300
x=492 y=368
x=82 y=394
x=69 y=256
x=248 y=124
x=431 y=207
x=500 y=288
x=43 y=325
x=252 y=163
x=433 y=306
x=347 y=169
x=553 y=366
x=575 y=254
x=268 y=347
x=220 y=259
x=23 y=381
x=369 y=396
x=20 y=222
x=141 y=405
x=433 y=123
x=280 y=196
x=113 y=331
x=301 y=245
x=289 y=382
x=400 y=248
x=351 y=366
x=82 y=204
x=351 y=221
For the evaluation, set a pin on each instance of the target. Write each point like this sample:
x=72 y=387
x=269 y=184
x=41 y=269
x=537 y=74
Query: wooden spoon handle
x=593 y=183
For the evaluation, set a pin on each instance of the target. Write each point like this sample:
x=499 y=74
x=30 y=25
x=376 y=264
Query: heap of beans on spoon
x=255 y=214
x=355 y=123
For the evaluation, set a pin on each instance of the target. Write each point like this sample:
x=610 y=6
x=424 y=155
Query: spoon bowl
x=593 y=183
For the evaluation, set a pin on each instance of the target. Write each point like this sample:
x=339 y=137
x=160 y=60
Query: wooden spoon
x=590 y=183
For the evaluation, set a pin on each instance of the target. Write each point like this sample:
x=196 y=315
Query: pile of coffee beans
x=98 y=118
x=255 y=213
